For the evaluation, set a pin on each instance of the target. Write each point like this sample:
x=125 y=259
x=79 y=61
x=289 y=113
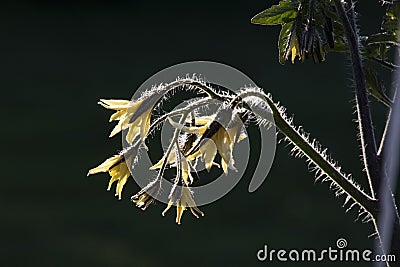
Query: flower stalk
x=316 y=157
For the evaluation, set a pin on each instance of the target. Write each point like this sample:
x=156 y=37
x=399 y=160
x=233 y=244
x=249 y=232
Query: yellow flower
x=118 y=169
x=214 y=138
x=121 y=107
x=183 y=201
x=106 y=165
x=133 y=115
x=143 y=200
x=294 y=48
x=146 y=196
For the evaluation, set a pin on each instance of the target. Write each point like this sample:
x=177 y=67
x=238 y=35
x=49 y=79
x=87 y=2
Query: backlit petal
x=179 y=212
x=103 y=167
x=171 y=159
x=208 y=151
x=114 y=104
x=133 y=132
x=117 y=115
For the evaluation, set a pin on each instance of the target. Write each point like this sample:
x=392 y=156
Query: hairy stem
x=368 y=203
x=365 y=201
x=365 y=126
x=389 y=220
x=377 y=178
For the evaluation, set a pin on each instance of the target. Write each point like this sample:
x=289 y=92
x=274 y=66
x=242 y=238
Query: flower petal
x=179 y=211
x=117 y=115
x=187 y=197
x=143 y=201
x=171 y=159
x=185 y=172
x=121 y=182
x=105 y=166
x=224 y=146
x=118 y=128
x=203 y=120
x=114 y=104
x=121 y=174
x=167 y=208
x=208 y=151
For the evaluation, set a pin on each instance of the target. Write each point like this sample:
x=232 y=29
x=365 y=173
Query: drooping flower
x=106 y=165
x=146 y=195
x=118 y=169
x=134 y=116
x=142 y=200
x=182 y=198
x=293 y=48
x=214 y=137
x=121 y=107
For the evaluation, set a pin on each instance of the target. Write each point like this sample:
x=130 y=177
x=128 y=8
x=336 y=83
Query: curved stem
x=377 y=178
x=365 y=201
x=191 y=84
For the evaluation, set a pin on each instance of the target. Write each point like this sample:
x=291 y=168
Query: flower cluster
x=197 y=137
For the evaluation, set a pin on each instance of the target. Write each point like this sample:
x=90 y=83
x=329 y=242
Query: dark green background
x=59 y=57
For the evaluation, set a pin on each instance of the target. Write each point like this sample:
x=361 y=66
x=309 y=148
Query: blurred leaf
x=390 y=21
x=375 y=47
x=284 y=40
x=382 y=50
x=309 y=29
x=318 y=30
x=375 y=86
x=369 y=51
x=284 y=12
x=382 y=38
x=340 y=45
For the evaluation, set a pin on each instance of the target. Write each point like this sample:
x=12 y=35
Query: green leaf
x=340 y=45
x=309 y=29
x=284 y=12
x=391 y=19
x=382 y=38
x=284 y=40
x=377 y=47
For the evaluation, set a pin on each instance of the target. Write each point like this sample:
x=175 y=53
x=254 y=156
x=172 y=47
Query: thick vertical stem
x=389 y=221
x=365 y=126
x=379 y=187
